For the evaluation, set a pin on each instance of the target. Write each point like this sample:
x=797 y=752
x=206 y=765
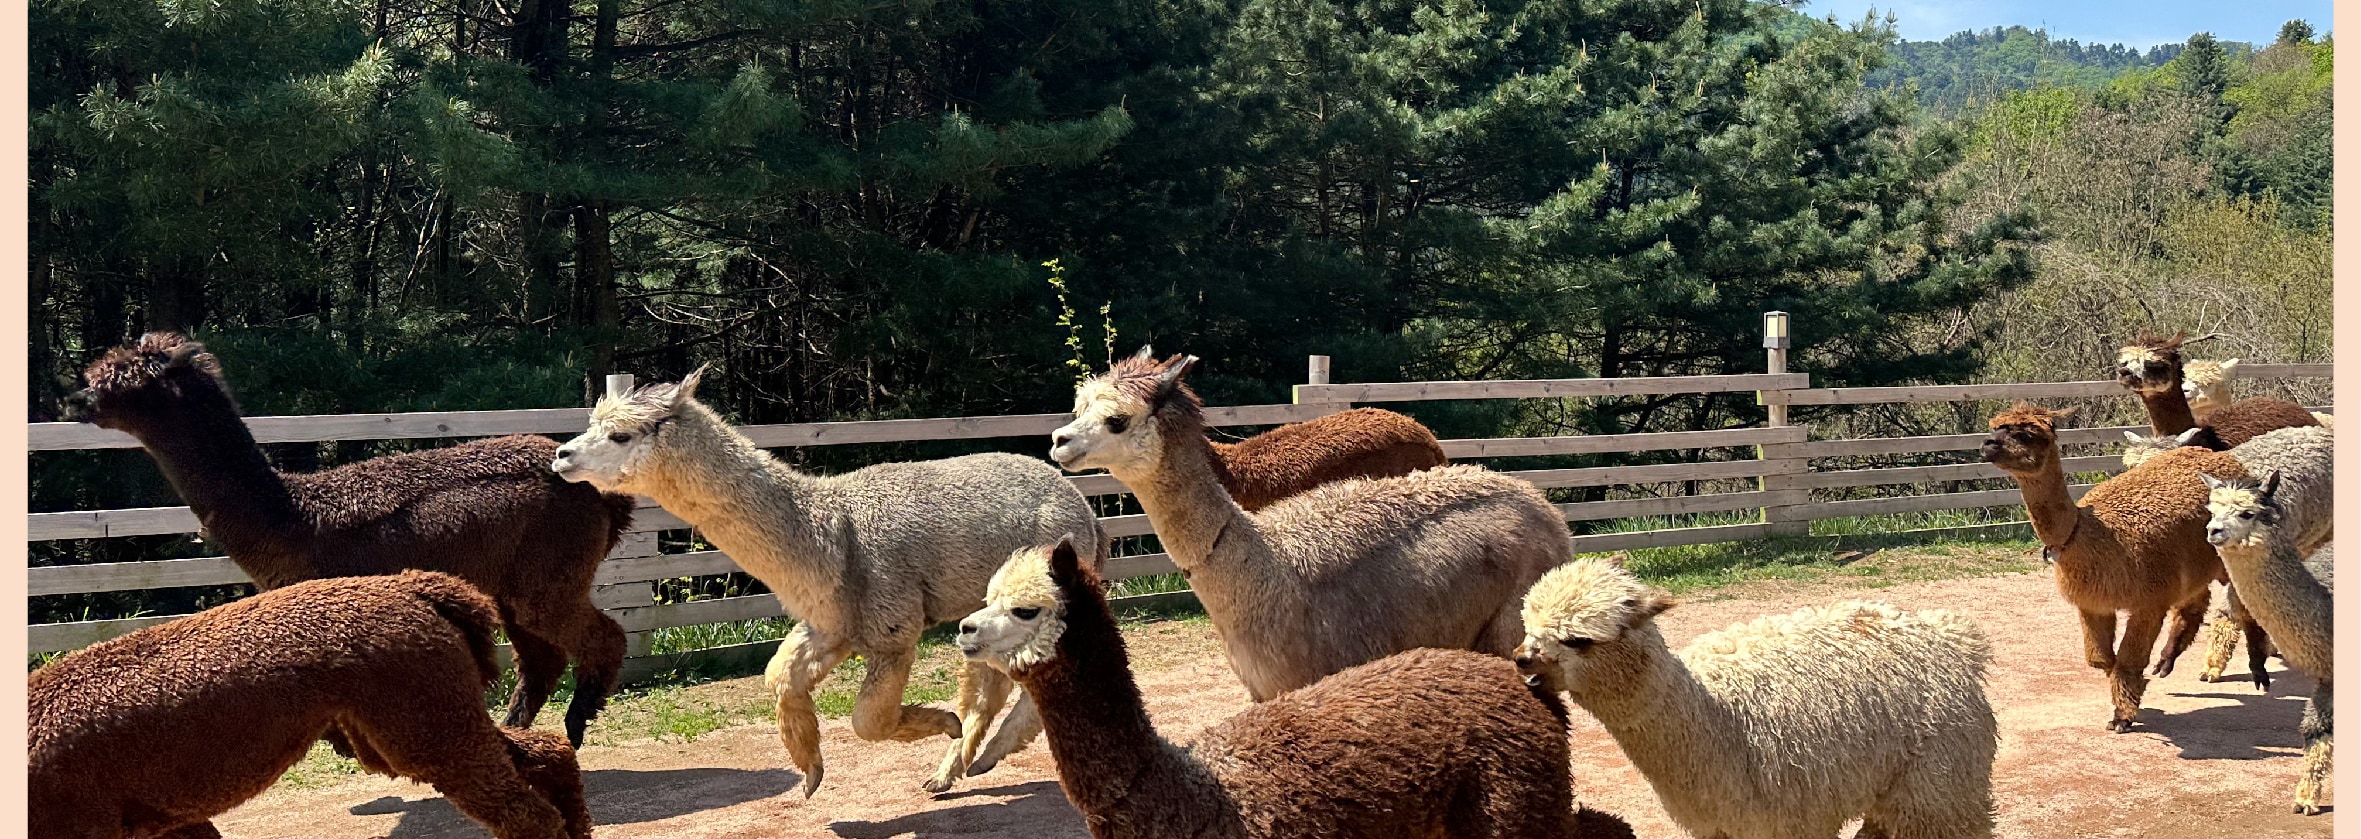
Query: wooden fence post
x=1316 y=373
x=618 y=384
x=1782 y=523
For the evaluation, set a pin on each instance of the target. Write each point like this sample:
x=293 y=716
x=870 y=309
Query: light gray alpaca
x=864 y=561
x=1344 y=574
x=2304 y=457
x=2290 y=596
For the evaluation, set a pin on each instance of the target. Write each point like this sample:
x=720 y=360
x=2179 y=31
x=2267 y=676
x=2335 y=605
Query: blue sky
x=2134 y=24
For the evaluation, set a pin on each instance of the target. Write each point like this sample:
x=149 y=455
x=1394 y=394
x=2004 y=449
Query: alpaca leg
x=1945 y=798
x=803 y=659
x=2187 y=616
x=878 y=713
x=1016 y=732
x=2098 y=639
x=2131 y=657
x=2319 y=747
x=539 y=664
x=982 y=690
x=549 y=767
x=2258 y=653
x=2221 y=635
x=597 y=645
x=449 y=744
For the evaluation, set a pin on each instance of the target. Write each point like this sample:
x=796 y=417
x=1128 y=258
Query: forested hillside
x=848 y=208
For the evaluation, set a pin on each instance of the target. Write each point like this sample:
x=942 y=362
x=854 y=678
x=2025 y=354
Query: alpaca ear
x=687 y=389
x=1147 y=351
x=185 y=355
x=1618 y=558
x=1175 y=369
x=1647 y=607
x=2211 y=482
x=2228 y=366
x=1065 y=563
x=2064 y=412
x=2133 y=437
x=2270 y=485
x=2189 y=437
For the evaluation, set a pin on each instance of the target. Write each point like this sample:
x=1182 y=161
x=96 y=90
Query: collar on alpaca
x=2049 y=552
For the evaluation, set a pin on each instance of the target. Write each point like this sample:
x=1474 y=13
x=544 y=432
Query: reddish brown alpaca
x=2151 y=366
x=1361 y=443
x=1426 y=742
x=2136 y=543
x=157 y=732
x=488 y=511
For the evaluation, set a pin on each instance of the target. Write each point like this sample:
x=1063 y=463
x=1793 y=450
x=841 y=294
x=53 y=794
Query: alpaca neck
x=1125 y=778
x=2056 y=519
x=749 y=504
x=211 y=460
x=2168 y=409
x=1675 y=730
x=2283 y=596
x=1204 y=529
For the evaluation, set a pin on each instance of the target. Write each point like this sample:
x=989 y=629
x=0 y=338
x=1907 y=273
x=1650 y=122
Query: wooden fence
x=1776 y=461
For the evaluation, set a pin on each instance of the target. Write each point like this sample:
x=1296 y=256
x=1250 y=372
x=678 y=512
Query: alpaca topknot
x=136 y=364
x=2027 y=413
x=1140 y=377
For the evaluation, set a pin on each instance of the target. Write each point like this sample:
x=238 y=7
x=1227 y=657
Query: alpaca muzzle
x=77 y=407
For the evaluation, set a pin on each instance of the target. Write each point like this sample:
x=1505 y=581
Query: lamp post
x=1775 y=346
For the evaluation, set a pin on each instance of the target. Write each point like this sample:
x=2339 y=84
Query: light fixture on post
x=1774 y=330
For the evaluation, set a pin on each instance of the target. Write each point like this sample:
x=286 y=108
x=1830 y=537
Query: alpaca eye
x=2246 y=514
x=1027 y=613
x=1577 y=644
x=1117 y=424
x=619 y=438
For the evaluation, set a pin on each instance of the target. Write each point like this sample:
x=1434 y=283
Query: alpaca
x=1426 y=742
x=1344 y=574
x=1787 y=726
x=217 y=705
x=2152 y=367
x=2207 y=386
x=2304 y=456
x=2250 y=525
x=487 y=511
x=864 y=561
x=2136 y=543
x=1360 y=443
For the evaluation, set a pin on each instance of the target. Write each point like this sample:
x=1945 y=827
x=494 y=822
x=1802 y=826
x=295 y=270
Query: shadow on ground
x=616 y=796
x=1038 y=807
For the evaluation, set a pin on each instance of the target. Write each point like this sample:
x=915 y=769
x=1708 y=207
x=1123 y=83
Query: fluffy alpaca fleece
x=2252 y=527
x=1347 y=573
x=1787 y=726
x=2152 y=367
x=1422 y=743
x=2135 y=543
x=2304 y=458
x=488 y=511
x=864 y=561
x=1360 y=443
x=160 y=730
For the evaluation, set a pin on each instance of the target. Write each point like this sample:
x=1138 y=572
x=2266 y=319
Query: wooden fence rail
x=1777 y=460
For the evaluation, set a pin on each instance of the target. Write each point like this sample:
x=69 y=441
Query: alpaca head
x=1122 y=416
x=2243 y=513
x=2151 y=363
x=1024 y=611
x=623 y=431
x=2138 y=449
x=143 y=379
x=1584 y=615
x=2024 y=438
x=2206 y=384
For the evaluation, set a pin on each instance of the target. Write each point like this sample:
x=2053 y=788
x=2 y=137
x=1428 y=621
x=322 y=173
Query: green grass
x=1835 y=550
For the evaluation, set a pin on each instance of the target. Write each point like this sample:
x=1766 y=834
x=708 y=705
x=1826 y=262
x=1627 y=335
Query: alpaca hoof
x=2307 y=809
x=2119 y=726
x=936 y=785
x=2208 y=678
x=811 y=782
x=981 y=767
x=2262 y=681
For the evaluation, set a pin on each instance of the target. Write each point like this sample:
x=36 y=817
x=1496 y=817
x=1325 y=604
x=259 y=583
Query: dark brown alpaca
x=157 y=732
x=1361 y=443
x=2151 y=366
x=2135 y=543
x=488 y=511
x=1422 y=743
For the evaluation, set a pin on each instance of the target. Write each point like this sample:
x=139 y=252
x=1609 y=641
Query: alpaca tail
x=468 y=610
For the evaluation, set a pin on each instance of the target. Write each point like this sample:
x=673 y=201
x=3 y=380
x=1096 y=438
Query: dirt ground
x=2206 y=760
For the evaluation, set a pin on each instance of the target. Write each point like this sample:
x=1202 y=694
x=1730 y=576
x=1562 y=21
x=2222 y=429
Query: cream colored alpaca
x=1343 y=574
x=1785 y=727
x=2289 y=592
x=864 y=561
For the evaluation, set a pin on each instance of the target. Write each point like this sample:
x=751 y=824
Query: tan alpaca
x=2290 y=593
x=1344 y=574
x=1784 y=727
x=864 y=561
x=2136 y=543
